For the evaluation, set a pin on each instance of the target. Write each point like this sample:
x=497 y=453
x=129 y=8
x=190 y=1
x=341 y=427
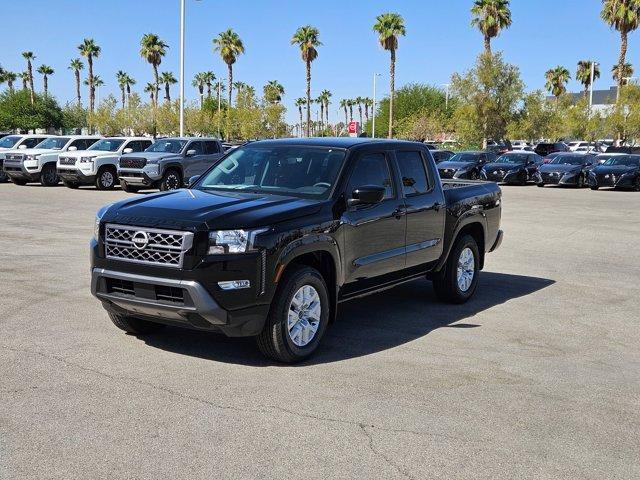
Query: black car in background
x=551 y=156
x=466 y=165
x=441 y=155
x=566 y=169
x=627 y=150
x=512 y=167
x=544 y=149
x=618 y=172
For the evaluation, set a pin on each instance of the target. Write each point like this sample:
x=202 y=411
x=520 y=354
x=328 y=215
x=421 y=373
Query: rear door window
x=197 y=146
x=211 y=148
x=413 y=173
x=32 y=142
x=372 y=169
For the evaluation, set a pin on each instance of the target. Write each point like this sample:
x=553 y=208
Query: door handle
x=399 y=212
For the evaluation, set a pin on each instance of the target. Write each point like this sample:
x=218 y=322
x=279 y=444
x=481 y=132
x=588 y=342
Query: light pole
x=591 y=78
x=373 y=121
x=182 y=68
x=446 y=86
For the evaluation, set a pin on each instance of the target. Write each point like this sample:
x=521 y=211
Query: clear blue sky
x=439 y=41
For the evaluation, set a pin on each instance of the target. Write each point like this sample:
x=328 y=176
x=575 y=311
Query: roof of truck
x=337 y=142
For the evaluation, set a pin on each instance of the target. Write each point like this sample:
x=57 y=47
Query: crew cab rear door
x=424 y=206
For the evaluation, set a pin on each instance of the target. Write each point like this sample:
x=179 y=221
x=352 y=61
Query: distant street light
x=592 y=78
x=373 y=122
x=182 y=67
x=446 y=86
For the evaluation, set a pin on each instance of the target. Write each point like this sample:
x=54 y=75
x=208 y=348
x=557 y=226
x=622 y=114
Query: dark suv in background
x=544 y=149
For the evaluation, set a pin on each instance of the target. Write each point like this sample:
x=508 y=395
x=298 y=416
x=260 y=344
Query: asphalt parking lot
x=537 y=377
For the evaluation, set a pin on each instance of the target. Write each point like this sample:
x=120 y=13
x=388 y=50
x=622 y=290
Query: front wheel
x=133 y=325
x=106 y=178
x=458 y=281
x=171 y=180
x=49 y=176
x=298 y=316
x=541 y=185
x=595 y=187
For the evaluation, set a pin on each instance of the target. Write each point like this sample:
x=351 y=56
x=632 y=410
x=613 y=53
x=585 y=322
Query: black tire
x=3 y=176
x=445 y=283
x=541 y=185
x=129 y=188
x=18 y=181
x=72 y=185
x=595 y=187
x=636 y=186
x=49 y=177
x=171 y=180
x=106 y=178
x=275 y=341
x=135 y=326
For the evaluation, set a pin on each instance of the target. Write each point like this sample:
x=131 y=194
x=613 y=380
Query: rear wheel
x=458 y=281
x=106 y=178
x=134 y=325
x=19 y=181
x=171 y=180
x=49 y=176
x=70 y=184
x=129 y=188
x=298 y=316
x=540 y=184
x=595 y=187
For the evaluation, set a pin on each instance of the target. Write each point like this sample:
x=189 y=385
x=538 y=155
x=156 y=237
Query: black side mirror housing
x=367 y=195
x=193 y=180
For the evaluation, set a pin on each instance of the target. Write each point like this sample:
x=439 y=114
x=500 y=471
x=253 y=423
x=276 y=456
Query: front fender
x=311 y=243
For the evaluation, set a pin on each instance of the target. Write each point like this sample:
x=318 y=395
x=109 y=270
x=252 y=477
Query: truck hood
x=87 y=153
x=36 y=151
x=186 y=209
x=152 y=155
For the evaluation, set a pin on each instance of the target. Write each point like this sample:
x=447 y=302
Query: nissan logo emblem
x=140 y=240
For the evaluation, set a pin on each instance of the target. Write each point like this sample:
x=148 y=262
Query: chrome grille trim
x=14 y=156
x=67 y=160
x=164 y=247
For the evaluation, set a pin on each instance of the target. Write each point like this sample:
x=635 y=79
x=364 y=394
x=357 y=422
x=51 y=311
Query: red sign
x=353 y=128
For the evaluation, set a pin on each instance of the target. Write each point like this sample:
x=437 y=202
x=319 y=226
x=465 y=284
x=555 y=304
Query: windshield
x=465 y=157
x=568 y=160
x=55 y=143
x=168 y=146
x=284 y=170
x=511 y=158
x=10 y=141
x=107 y=145
x=626 y=161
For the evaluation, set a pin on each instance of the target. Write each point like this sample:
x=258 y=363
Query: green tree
x=208 y=78
x=167 y=79
x=229 y=45
x=301 y=102
x=326 y=98
x=74 y=118
x=389 y=26
x=18 y=113
x=273 y=92
x=625 y=73
x=121 y=78
x=307 y=39
x=490 y=16
x=583 y=74
x=344 y=104
x=24 y=76
x=150 y=88
x=557 y=79
x=624 y=16
x=90 y=50
x=152 y=49
x=30 y=57
x=10 y=78
x=536 y=119
x=624 y=120
x=45 y=71
x=76 y=65
x=199 y=80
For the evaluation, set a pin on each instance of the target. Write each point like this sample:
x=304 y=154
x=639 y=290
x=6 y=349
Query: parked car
x=168 y=163
x=441 y=155
x=512 y=167
x=569 y=169
x=97 y=165
x=499 y=147
x=603 y=157
x=465 y=165
x=16 y=142
x=618 y=172
x=544 y=149
x=627 y=150
x=38 y=164
x=273 y=237
x=551 y=156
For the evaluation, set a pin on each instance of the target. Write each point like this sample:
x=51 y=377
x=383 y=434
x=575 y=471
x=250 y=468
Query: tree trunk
x=322 y=117
x=346 y=120
x=208 y=90
x=351 y=113
x=156 y=82
x=128 y=94
x=10 y=85
x=91 y=91
x=308 y=98
x=122 y=94
x=167 y=93
x=46 y=85
x=487 y=44
x=326 y=112
x=360 y=111
x=621 y=60
x=392 y=88
x=30 y=70
x=230 y=84
x=24 y=83
x=301 y=119
x=78 y=98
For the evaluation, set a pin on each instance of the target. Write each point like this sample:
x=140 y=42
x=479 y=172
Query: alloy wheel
x=303 y=315
x=106 y=179
x=466 y=269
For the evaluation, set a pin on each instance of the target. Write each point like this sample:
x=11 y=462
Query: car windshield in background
x=107 y=145
x=568 y=160
x=168 y=146
x=55 y=143
x=464 y=157
x=513 y=159
x=626 y=161
x=280 y=170
x=8 y=142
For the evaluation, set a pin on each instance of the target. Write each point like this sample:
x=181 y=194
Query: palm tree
x=209 y=77
x=344 y=103
x=326 y=95
x=90 y=50
x=24 y=76
x=10 y=77
x=93 y=83
x=359 y=101
x=273 y=92
x=307 y=39
x=351 y=103
x=624 y=16
x=627 y=72
x=150 y=88
x=152 y=49
x=198 y=82
x=229 y=45
x=583 y=74
x=45 y=71
x=490 y=16
x=368 y=103
x=389 y=27
x=300 y=102
x=557 y=79
x=129 y=81
x=30 y=57
x=168 y=79
x=121 y=78
x=76 y=65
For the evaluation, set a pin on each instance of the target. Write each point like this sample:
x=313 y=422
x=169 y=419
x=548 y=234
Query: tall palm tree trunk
x=392 y=88
x=487 y=44
x=346 y=119
x=78 y=98
x=322 y=116
x=91 y=90
x=301 y=119
x=128 y=94
x=46 y=85
x=122 y=93
x=156 y=82
x=30 y=70
x=230 y=80
x=360 y=112
x=621 y=60
x=326 y=112
x=167 y=93
x=308 y=98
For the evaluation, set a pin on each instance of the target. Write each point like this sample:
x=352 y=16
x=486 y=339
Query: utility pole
x=593 y=73
x=182 y=68
x=373 y=121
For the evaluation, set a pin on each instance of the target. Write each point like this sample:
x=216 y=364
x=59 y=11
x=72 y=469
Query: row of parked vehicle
x=616 y=170
x=134 y=162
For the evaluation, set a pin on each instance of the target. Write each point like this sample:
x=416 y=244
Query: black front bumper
x=75 y=176
x=21 y=173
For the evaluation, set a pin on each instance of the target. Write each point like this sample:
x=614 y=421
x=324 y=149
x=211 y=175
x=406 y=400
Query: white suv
x=38 y=164
x=16 y=142
x=98 y=164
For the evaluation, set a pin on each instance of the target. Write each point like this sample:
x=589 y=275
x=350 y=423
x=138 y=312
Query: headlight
x=232 y=241
x=31 y=157
x=86 y=159
x=96 y=223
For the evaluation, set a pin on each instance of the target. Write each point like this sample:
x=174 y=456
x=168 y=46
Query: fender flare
x=310 y=244
x=468 y=218
x=172 y=164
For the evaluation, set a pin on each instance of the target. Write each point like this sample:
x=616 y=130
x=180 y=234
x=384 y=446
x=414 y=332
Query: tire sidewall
x=164 y=185
x=465 y=242
x=100 y=184
x=49 y=168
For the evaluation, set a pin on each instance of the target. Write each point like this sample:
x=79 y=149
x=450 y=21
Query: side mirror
x=128 y=150
x=366 y=195
x=193 y=180
x=22 y=147
x=191 y=153
x=72 y=149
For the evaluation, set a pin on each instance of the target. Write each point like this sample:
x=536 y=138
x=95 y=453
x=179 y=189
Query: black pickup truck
x=277 y=233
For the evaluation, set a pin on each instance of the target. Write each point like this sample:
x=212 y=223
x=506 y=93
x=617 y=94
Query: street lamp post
x=591 y=78
x=182 y=68
x=446 y=86
x=373 y=121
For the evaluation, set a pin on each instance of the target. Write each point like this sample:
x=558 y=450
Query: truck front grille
x=14 y=156
x=67 y=160
x=147 y=245
x=126 y=162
